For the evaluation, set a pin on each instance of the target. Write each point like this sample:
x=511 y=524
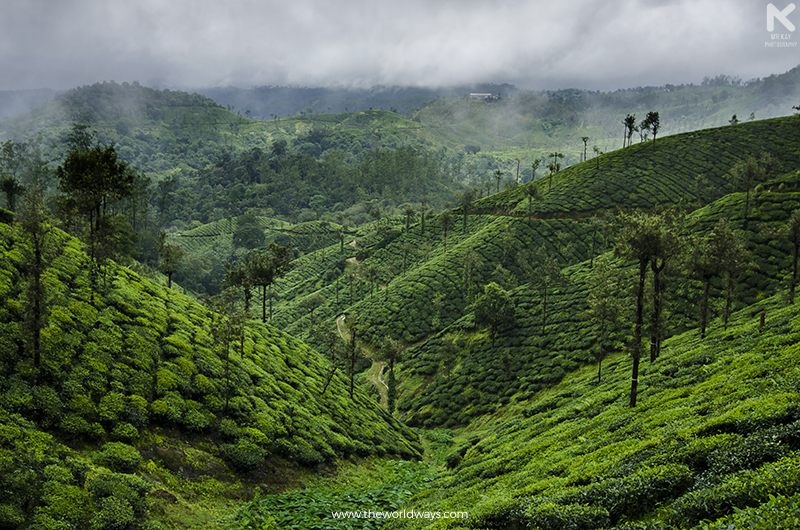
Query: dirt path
x=375 y=372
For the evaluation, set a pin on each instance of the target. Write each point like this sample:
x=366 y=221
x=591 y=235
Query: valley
x=554 y=342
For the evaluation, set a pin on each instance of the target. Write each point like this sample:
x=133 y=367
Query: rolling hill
x=141 y=405
x=145 y=388
x=538 y=440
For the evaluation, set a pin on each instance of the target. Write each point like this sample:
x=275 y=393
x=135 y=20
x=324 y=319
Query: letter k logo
x=773 y=13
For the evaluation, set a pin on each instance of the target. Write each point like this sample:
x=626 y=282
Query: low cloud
x=535 y=44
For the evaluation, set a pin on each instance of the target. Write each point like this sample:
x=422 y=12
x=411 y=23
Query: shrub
x=171 y=407
x=119 y=456
x=303 y=452
x=11 y=516
x=779 y=512
x=566 y=517
x=228 y=429
x=56 y=473
x=245 y=454
x=111 y=406
x=129 y=488
x=125 y=432
x=637 y=493
x=196 y=419
x=74 y=425
x=48 y=405
x=114 y=514
x=136 y=413
x=744 y=489
x=65 y=506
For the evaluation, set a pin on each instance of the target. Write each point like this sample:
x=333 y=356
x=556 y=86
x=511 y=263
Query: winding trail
x=376 y=370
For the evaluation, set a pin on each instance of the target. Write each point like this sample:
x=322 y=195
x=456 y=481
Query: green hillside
x=480 y=376
x=421 y=295
x=477 y=325
x=683 y=169
x=163 y=131
x=139 y=391
x=712 y=444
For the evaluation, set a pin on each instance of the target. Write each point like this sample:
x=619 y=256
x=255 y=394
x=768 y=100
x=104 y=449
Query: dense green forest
x=214 y=321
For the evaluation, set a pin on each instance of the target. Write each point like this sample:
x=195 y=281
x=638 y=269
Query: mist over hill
x=16 y=102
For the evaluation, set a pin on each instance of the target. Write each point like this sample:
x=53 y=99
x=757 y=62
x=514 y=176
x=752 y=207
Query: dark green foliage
x=169 y=256
x=119 y=456
x=292 y=182
x=245 y=455
x=494 y=309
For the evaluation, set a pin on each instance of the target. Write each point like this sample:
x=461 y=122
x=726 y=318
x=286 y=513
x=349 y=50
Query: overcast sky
x=595 y=44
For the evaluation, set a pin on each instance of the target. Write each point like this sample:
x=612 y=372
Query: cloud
x=538 y=44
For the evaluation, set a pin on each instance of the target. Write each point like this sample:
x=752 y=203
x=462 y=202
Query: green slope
x=525 y=358
x=428 y=305
x=714 y=432
x=682 y=169
x=137 y=386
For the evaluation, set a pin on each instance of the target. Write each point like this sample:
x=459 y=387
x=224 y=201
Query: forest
x=209 y=321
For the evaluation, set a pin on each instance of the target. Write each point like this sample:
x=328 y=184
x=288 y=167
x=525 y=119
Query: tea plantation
x=425 y=282
x=481 y=377
x=688 y=169
x=713 y=443
x=138 y=407
x=135 y=394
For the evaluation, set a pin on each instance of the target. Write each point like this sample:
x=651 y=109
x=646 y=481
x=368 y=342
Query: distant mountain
x=266 y=102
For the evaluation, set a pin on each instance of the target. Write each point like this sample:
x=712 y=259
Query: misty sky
x=595 y=44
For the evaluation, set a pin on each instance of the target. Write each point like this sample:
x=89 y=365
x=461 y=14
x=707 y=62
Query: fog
x=594 y=44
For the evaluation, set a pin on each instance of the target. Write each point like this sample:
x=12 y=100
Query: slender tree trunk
x=704 y=307
x=637 y=331
x=352 y=362
x=264 y=303
x=793 y=279
x=655 y=338
x=330 y=378
x=544 y=308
